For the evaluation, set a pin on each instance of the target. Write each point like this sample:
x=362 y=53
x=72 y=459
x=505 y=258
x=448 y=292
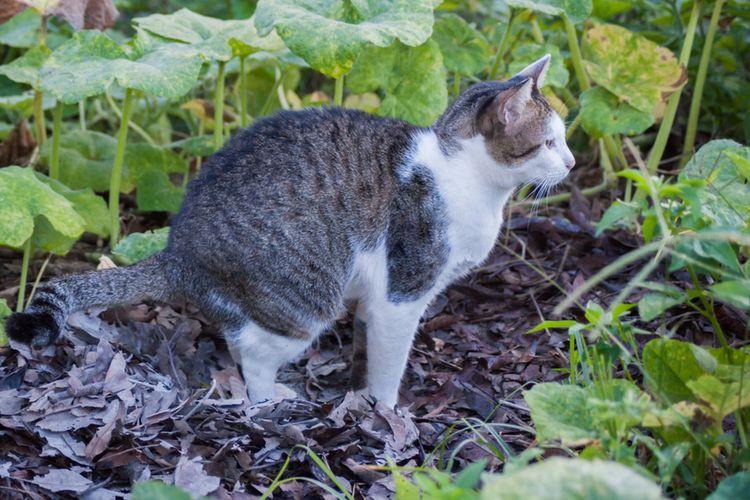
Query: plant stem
x=556 y=198
x=502 y=48
x=700 y=81
x=219 y=108
x=575 y=54
x=24 y=274
x=573 y=126
x=54 y=162
x=116 y=178
x=536 y=31
x=39 y=125
x=338 y=91
x=708 y=308
x=43 y=31
x=82 y=113
x=136 y=128
x=243 y=94
x=657 y=150
x=456 y=84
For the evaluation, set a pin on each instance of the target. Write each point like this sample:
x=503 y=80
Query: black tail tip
x=36 y=329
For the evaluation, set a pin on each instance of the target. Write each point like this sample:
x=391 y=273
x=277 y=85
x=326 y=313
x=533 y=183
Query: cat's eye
x=549 y=143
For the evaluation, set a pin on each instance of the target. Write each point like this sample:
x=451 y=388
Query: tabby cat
x=308 y=211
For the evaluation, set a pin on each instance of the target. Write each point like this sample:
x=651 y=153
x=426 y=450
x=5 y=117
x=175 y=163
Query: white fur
x=475 y=189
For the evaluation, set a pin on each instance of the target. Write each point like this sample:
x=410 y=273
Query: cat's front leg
x=390 y=331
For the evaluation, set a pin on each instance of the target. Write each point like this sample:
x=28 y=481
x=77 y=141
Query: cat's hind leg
x=261 y=353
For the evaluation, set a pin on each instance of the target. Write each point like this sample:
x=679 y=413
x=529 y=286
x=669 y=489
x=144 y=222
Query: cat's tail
x=43 y=320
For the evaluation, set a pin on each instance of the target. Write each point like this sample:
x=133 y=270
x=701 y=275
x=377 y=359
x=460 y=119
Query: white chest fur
x=474 y=202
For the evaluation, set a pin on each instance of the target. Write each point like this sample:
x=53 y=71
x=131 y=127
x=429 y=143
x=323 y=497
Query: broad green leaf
x=138 y=246
x=567 y=478
x=560 y=413
x=607 y=9
x=523 y=55
x=652 y=305
x=725 y=199
x=635 y=69
x=617 y=212
x=150 y=167
x=26 y=68
x=86 y=159
x=576 y=10
x=30 y=207
x=21 y=30
x=742 y=164
x=90 y=62
x=330 y=34
x=602 y=113
x=412 y=78
x=92 y=208
x=722 y=397
x=4 y=313
x=156 y=490
x=668 y=365
x=734 y=292
x=732 y=487
x=465 y=51
x=214 y=39
x=20 y=103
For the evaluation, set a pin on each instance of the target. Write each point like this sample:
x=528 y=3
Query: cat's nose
x=570 y=163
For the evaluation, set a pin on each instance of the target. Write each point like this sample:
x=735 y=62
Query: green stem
x=708 y=308
x=24 y=274
x=557 y=198
x=536 y=31
x=660 y=144
x=219 y=108
x=338 y=91
x=573 y=126
x=82 y=113
x=54 y=162
x=700 y=81
x=575 y=54
x=495 y=69
x=136 y=128
x=39 y=124
x=243 y=93
x=456 y=84
x=116 y=178
x=43 y=31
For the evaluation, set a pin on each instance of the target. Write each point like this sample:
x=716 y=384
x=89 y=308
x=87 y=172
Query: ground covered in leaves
x=150 y=391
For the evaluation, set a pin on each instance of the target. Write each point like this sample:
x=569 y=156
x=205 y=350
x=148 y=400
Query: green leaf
x=214 y=39
x=722 y=397
x=330 y=34
x=405 y=489
x=668 y=365
x=732 y=487
x=413 y=79
x=138 y=246
x=21 y=30
x=544 y=325
x=734 y=292
x=470 y=476
x=602 y=113
x=560 y=413
x=4 y=313
x=523 y=55
x=577 y=10
x=635 y=69
x=86 y=159
x=90 y=62
x=26 y=68
x=617 y=212
x=156 y=490
x=566 y=478
x=725 y=198
x=150 y=167
x=199 y=145
x=29 y=207
x=92 y=208
x=652 y=305
x=465 y=51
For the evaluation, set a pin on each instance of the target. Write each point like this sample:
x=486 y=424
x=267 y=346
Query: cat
x=307 y=211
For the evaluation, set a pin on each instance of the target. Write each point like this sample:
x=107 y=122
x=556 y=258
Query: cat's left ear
x=537 y=71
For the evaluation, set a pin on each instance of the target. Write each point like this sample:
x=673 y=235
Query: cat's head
x=521 y=133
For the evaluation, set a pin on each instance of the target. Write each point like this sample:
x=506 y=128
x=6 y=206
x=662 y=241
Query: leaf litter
x=150 y=391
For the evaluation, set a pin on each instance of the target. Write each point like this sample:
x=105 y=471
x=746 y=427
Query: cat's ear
x=537 y=71
x=511 y=103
